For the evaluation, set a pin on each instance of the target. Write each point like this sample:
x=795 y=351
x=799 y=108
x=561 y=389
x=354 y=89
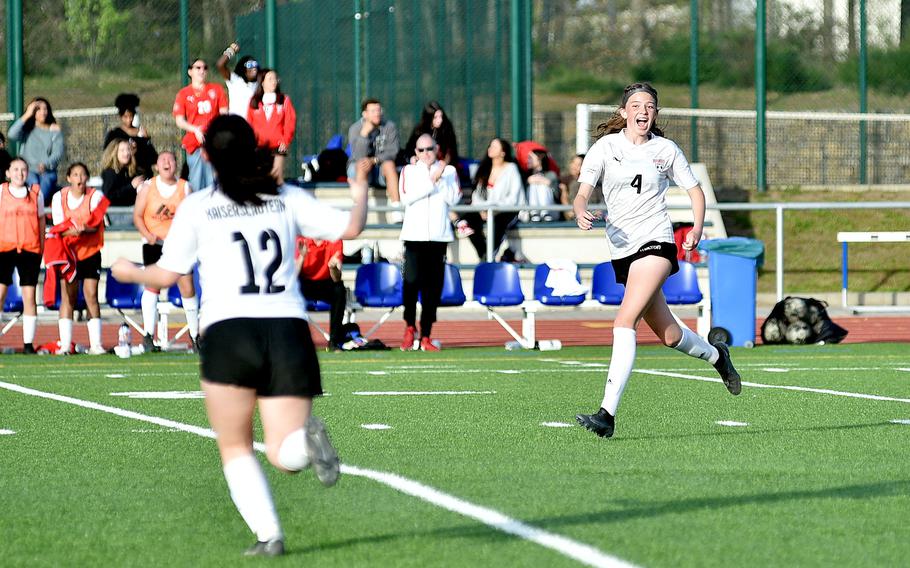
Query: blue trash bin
x=732 y=272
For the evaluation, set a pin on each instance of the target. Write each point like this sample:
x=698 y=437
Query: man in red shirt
x=320 y=279
x=195 y=106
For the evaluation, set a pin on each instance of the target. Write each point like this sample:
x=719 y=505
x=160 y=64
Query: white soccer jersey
x=246 y=253
x=635 y=181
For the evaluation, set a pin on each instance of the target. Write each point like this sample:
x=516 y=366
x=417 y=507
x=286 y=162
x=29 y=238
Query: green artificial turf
x=813 y=479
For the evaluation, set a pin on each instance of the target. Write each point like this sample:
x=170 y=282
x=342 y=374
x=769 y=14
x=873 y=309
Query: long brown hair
x=616 y=122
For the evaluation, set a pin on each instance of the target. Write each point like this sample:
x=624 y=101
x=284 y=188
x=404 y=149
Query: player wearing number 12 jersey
x=256 y=344
x=634 y=163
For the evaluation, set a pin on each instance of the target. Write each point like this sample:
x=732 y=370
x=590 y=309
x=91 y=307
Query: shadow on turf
x=631 y=510
x=748 y=432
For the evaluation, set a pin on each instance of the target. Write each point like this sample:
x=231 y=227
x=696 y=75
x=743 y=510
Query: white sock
x=66 y=333
x=29 y=324
x=621 y=362
x=191 y=309
x=94 y=332
x=149 y=311
x=693 y=345
x=292 y=453
x=251 y=495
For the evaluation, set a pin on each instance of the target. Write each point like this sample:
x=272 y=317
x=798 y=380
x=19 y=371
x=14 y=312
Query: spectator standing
x=131 y=129
x=375 y=138
x=120 y=176
x=273 y=119
x=543 y=185
x=22 y=226
x=41 y=145
x=426 y=232
x=635 y=164
x=320 y=279
x=497 y=182
x=257 y=348
x=156 y=204
x=241 y=82
x=78 y=216
x=194 y=108
x=5 y=158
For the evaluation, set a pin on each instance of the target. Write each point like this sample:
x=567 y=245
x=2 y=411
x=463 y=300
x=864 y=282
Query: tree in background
x=94 y=25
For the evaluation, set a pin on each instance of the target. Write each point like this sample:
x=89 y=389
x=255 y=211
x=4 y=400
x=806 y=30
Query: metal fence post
x=693 y=76
x=862 y=92
x=184 y=40
x=15 y=62
x=490 y=245
x=358 y=21
x=760 y=137
x=271 y=35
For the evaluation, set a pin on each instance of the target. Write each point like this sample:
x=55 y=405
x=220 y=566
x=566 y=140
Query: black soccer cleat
x=320 y=451
x=725 y=368
x=28 y=349
x=266 y=548
x=601 y=422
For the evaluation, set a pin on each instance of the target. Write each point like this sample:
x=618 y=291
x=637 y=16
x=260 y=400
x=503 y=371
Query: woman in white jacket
x=426 y=232
x=497 y=182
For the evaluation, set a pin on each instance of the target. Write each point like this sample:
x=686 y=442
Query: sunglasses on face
x=251 y=64
x=429 y=149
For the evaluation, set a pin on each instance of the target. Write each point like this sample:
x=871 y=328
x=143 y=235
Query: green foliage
x=886 y=70
x=572 y=80
x=94 y=25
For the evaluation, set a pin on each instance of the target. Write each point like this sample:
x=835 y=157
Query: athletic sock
x=624 y=345
x=693 y=345
x=66 y=333
x=292 y=453
x=251 y=495
x=149 y=311
x=94 y=332
x=29 y=324
x=191 y=309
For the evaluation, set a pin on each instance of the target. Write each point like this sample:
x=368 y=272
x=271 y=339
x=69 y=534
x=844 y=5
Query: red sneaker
x=407 y=344
x=426 y=344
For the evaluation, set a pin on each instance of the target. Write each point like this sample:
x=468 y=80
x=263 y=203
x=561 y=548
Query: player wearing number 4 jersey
x=634 y=163
x=256 y=344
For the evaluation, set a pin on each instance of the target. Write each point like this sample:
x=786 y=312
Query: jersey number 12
x=250 y=287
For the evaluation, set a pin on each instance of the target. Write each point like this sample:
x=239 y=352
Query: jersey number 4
x=636 y=183
x=250 y=287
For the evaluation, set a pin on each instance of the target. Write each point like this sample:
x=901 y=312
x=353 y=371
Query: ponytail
x=243 y=173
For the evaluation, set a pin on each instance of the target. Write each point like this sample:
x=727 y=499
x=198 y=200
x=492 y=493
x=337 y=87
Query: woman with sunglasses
x=194 y=108
x=241 y=82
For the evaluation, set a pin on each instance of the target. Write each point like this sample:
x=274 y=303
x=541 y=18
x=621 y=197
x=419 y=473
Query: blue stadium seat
x=682 y=287
x=452 y=290
x=13 y=301
x=173 y=293
x=544 y=293
x=122 y=296
x=55 y=305
x=604 y=287
x=378 y=285
x=497 y=284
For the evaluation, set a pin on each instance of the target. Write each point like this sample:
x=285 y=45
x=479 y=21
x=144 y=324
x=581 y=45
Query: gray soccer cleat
x=266 y=548
x=724 y=366
x=320 y=451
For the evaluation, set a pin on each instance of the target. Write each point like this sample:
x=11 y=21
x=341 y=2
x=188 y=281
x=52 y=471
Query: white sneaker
x=97 y=350
x=395 y=217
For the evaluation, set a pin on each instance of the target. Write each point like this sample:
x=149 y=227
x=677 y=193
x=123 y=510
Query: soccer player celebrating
x=156 y=204
x=256 y=344
x=635 y=162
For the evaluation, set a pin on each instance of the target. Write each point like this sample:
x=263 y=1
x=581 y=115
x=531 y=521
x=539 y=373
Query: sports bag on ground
x=799 y=321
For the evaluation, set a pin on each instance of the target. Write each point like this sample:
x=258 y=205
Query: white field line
x=782 y=387
x=418 y=393
x=581 y=552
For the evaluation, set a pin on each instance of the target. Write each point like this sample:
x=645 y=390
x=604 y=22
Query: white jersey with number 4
x=635 y=179
x=246 y=253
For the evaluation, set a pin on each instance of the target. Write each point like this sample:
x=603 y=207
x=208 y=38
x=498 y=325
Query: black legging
x=336 y=295
x=424 y=271
x=501 y=224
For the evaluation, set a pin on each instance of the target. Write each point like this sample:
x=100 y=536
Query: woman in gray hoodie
x=41 y=145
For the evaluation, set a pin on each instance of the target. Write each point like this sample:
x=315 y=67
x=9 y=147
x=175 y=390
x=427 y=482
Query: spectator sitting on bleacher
x=320 y=279
x=130 y=129
x=497 y=182
x=273 y=119
x=241 y=82
x=569 y=184
x=377 y=139
x=156 y=205
x=22 y=224
x=121 y=175
x=41 y=145
x=543 y=186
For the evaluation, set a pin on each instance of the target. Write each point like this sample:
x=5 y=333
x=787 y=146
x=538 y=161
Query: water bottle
x=123 y=341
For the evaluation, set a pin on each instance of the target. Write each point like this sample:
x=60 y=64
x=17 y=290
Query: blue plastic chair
x=544 y=294
x=682 y=287
x=13 y=303
x=497 y=284
x=604 y=287
x=452 y=291
x=122 y=296
x=336 y=142
x=55 y=305
x=173 y=293
x=378 y=285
